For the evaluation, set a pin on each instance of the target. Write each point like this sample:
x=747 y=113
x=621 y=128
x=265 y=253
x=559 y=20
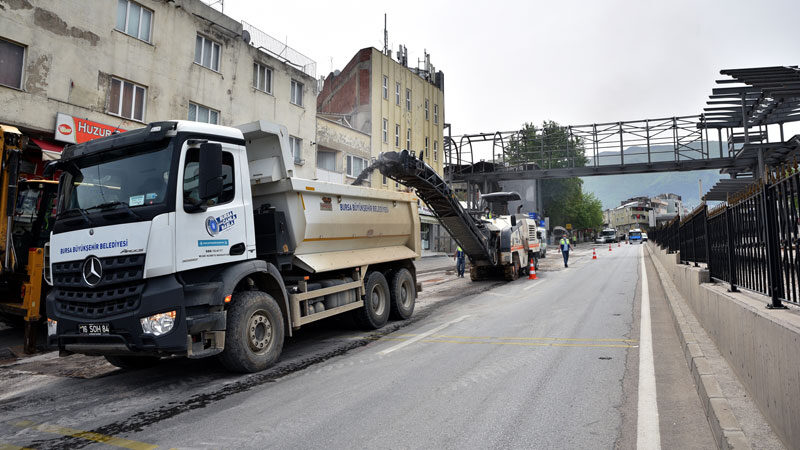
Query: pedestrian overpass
x=741 y=133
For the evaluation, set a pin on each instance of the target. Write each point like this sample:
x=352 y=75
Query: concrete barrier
x=761 y=345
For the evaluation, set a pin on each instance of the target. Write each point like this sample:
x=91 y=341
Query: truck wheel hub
x=259 y=331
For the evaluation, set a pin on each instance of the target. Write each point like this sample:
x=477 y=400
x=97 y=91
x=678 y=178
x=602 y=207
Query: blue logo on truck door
x=215 y=225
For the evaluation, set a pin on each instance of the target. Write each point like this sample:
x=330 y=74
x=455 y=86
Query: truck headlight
x=158 y=324
x=52 y=327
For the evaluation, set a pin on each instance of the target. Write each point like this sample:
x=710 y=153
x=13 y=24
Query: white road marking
x=534 y=285
x=496 y=294
x=422 y=336
x=647 y=432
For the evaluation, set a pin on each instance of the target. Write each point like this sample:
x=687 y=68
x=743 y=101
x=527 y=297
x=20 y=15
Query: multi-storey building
x=397 y=108
x=70 y=71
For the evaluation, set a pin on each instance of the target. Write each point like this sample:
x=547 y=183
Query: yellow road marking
x=456 y=340
x=531 y=344
x=4 y=446
x=88 y=435
x=524 y=338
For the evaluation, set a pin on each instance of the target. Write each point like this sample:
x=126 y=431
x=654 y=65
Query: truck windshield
x=609 y=233
x=117 y=178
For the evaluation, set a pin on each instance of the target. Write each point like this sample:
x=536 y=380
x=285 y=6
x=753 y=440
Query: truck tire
x=403 y=294
x=544 y=254
x=375 y=312
x=132 y=362
x=254 y=334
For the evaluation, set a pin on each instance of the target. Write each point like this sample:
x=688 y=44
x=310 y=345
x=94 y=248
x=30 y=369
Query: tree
x=553 y=146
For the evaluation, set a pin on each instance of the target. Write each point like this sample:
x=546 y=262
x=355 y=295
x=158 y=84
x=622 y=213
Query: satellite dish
x=246 y=36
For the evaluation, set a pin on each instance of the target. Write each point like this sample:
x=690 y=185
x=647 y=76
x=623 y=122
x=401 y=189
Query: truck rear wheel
x=403 y=294
x=254 y=335
x=375 y=312
x=132 y=362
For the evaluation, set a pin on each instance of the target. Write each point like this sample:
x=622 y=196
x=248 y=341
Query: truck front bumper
x=199 y=319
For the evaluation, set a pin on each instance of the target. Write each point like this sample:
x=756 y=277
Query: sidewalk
x=735 y=420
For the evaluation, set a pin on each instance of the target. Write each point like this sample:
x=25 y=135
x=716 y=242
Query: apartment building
x=73 y=70
x=397 y=107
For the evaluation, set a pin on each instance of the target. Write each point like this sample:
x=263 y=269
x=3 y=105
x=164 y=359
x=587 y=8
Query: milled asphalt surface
x=548 y=363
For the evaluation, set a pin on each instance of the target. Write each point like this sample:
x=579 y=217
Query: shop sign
x=76 y=130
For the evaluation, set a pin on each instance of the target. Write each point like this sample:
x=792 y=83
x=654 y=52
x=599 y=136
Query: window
x=126 y=99
x=397 y=135
x=355 y=166
x=385 y=180
x=262 y=78
x=191 y=180
x=397 y=94
x=408 y=99
x=134 y=20
x=385 y=87
x=326 y=160
x=427 y=110
x=435 y=113
x=199 y=113
x=435 y=150
x=385 y=130
x=206 y=53
x=297 y=93
x=296 y=144
x=426 y=148
x=408 y=139
x=12 y=59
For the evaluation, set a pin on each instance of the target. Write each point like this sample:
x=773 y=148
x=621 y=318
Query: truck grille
x=119 y=290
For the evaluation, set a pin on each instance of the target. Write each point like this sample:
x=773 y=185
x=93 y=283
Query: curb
x=724 y=425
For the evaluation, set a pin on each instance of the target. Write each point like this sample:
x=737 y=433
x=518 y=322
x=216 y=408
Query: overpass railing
x=752 y=242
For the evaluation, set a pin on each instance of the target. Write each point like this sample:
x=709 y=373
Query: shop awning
x=50 y=152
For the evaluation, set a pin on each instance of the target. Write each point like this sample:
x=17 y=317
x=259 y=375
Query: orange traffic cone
x=532 y=272
x=594 y=255
x=609 y=247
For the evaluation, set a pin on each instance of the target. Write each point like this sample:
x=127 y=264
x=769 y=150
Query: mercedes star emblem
x=92 y=271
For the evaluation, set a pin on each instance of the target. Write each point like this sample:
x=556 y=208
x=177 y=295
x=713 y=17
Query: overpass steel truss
x=641 y=146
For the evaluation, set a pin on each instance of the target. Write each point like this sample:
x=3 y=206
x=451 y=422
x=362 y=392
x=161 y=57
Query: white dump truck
x=183 y=238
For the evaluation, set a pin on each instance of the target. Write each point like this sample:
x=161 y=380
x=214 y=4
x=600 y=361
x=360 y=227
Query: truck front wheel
x=254 y=335
x=375 y=312
x=403 y=294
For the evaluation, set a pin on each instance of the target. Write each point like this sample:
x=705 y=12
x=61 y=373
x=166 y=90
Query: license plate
x=94 y=328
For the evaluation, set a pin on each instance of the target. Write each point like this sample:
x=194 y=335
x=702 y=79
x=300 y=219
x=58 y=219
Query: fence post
x=706 y=237
x=692 y=223
x=773 y=250
x=731 y=267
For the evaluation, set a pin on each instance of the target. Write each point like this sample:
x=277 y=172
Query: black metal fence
x=753 y=242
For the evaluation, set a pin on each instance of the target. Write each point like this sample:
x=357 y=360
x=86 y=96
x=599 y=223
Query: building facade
x=119 y=64
x=399 y=108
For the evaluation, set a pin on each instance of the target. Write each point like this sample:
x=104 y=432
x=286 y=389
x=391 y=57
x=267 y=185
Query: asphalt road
x=547 y=363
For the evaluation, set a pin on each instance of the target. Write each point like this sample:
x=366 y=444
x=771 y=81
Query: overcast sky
x=528 y=61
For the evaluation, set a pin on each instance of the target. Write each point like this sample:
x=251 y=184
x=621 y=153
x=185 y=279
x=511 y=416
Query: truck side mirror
x=513 y=221
x=210 y=171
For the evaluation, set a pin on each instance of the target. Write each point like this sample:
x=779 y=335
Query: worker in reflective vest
x=461 y=262
x=565 y=248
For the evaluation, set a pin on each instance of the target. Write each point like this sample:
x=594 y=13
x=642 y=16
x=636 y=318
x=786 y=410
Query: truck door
x=217 y=235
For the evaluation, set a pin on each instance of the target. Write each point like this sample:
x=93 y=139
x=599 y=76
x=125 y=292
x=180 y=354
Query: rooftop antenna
x=385 y=36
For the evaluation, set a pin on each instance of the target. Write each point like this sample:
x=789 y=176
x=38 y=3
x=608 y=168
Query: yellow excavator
x=26 y=217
